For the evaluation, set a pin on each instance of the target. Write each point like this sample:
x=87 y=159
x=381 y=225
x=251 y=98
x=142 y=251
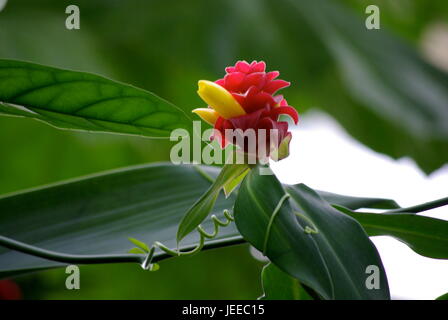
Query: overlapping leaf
x=97 y=215
x=323 y=248
x=426 y=236
x=357 y=202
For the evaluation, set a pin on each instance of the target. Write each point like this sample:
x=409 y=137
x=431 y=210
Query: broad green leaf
x=82 y=101
x=139 y=244
x=357 y=202
x=278 y=285
x=443 y=297
x=97 y=214
x=202 y=208
x=312 y=246
x=234 y=183
x=426 y=236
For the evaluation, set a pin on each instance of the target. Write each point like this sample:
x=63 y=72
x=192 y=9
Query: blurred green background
x=386 y=87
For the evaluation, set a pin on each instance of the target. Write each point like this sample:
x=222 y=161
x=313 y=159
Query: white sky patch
x=325 y=157
x=2 y=4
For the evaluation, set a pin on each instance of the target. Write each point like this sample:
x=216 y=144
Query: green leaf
x=97 y=214
x=311 y=247
x=139 y=244
x=137 y=251
x=355 y=203
x=82 y=101
x=196 y=214
x=426 y=236
x=443 y=297
x=234 y=183
x=278 y=285
x=202 y=208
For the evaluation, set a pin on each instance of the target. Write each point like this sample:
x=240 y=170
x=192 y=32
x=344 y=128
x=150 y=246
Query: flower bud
x=246 y=101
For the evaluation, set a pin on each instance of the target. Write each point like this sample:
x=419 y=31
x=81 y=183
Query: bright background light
x=2 y=4
x=325 y=157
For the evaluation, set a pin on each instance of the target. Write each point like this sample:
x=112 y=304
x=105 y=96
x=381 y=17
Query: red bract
x=255 y=89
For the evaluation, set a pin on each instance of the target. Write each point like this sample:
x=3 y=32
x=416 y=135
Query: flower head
x=246 y=99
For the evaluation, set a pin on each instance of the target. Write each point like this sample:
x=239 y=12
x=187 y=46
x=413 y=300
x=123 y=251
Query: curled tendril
x=313 y=229
x=309 y=230
x=148 y=265
x=271 y=221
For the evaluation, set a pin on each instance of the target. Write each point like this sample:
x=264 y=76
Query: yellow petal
x=220 y=99
x=208 y=115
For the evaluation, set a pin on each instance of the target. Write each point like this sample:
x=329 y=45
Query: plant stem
x=422 y=207
x=97 y=259
x=68 y=258
x=214 y=244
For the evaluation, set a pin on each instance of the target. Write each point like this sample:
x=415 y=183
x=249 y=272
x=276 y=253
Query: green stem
x=112 y=258
x=422 y=207
x=68 y=258
x=307 y=229
x=203 y=235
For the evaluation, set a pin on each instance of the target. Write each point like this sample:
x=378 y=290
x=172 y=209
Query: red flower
x=9 y=290
x=257 y=105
